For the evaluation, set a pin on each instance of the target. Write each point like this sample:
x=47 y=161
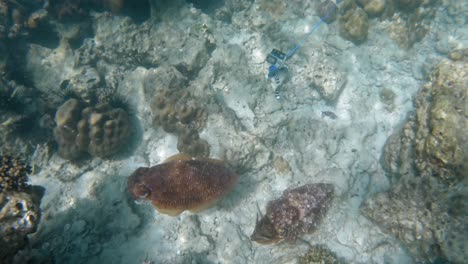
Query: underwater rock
x=354 y=25
x=186 y=43
x=297 y=212
x=100 y=130
x=18 y=17
x=328 y=79
x=387 y=97
x=458 y=54
x=323 y=10
x=19 y=216
x=69 y=11
x=21 y=108
x=406 y=32
x=190 y=142
x=407 y=28
x=182 y=183
x=426 y=163
x=373 y=7
x=408 y=4
x=441 y=141
x=176 y=110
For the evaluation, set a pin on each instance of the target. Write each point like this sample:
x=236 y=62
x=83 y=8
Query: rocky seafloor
x=373 y=104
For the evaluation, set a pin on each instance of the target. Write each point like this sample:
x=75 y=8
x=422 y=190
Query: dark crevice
x=207 y=6
x=44 y=35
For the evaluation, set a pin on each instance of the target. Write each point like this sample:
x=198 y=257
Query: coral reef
x=408 y=28
x=458 y=54
x=100 y=130
x=297 y=212
x=174 y=109
x=67 y=10
x=13 y=174
x=182 y=183
x=328 y=80
x=440 y=141
x=21 y=115
x=323 y=10
x=373 y=7
x=426 y=205
x=319 y=254
x=408 y=4
x=190 y=142
x=354 y=25
x=19 y=206
x=177 y=111
x=387 y=96
x=230 y=8
x=18 y=17
x=19 y=216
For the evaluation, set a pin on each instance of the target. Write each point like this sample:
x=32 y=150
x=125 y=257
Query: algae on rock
x=354 y=25
x=426 y=163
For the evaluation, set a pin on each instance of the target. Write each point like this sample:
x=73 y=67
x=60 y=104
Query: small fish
x=329 y=114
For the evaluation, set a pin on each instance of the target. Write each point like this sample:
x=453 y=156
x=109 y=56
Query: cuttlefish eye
x=140 y=191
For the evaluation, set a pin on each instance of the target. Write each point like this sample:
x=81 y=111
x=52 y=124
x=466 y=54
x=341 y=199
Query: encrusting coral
x=99 y=130
x=319 y=254
x=354 y=25
x=182 y=183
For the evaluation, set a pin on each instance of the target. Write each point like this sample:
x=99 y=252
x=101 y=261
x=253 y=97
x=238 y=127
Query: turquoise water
x=313 y=131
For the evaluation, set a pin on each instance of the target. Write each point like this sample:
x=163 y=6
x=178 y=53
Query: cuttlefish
x=182 y=183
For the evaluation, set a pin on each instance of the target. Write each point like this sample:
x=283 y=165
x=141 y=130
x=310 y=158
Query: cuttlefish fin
x=179 y=156
x=174 y=212
x=203 y=206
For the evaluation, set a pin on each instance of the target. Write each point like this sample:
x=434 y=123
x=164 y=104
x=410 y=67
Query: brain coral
x=100 y=130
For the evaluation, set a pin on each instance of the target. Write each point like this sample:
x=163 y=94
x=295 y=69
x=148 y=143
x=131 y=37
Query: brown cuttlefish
x=182 y=183
x=298 y=211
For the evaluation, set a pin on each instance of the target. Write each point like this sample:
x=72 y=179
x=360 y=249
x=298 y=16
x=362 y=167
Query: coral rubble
x=426 y=161
x=297 y=212
x=182 y=183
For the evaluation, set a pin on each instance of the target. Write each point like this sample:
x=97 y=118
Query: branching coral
x=13 y=174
